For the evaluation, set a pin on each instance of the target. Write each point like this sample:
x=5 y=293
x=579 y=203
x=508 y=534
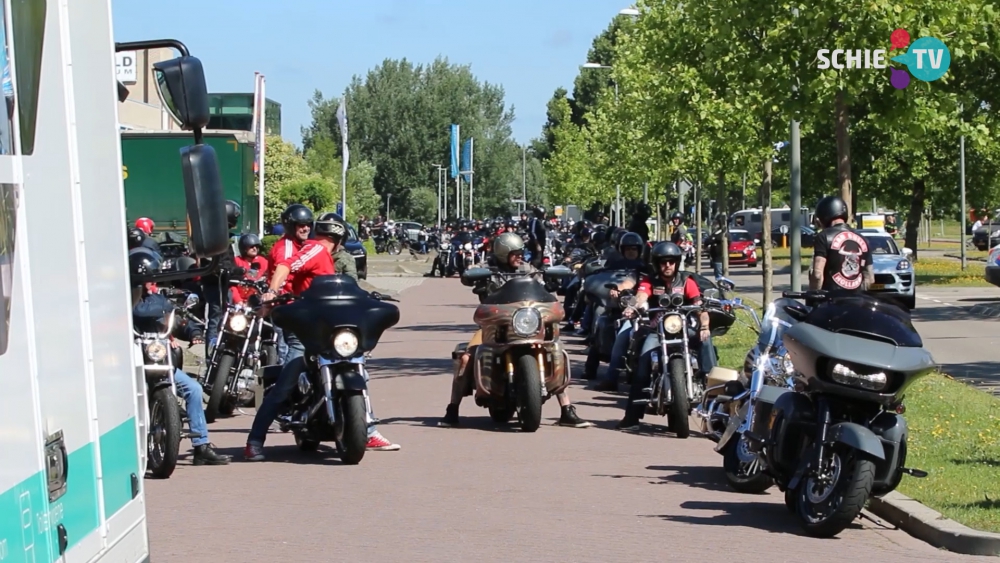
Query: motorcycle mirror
x=191 y=301
x=610 y=286
x=726 y=284
x=473 y=275
x=711 y=294
x=559 y=272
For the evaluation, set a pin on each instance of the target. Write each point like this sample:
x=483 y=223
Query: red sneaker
x=378 y=443
x=253 y=452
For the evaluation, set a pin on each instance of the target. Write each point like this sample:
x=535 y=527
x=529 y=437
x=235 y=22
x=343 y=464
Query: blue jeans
x=643 y=377
x=214 y=304
x=289 y=378
x=588 y=317
x=280 y=344
x=618 y=351
x=190 y=391
x=717 y=269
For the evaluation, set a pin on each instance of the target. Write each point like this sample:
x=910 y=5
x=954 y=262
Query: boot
x=206 y=455
x=570 y=418
x=450 y=419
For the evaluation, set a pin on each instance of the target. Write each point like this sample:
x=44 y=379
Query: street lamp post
x=439 y=170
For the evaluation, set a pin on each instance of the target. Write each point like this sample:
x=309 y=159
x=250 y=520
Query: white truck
x=72 y=404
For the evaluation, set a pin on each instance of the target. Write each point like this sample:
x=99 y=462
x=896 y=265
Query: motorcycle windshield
x=516 y=290
x=331 y=304
x=776 y=321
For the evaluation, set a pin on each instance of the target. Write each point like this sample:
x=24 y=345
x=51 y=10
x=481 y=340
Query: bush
x=266 y=243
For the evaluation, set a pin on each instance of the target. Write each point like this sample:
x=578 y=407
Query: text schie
x=856 y=58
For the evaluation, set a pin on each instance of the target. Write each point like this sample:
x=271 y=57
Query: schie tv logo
x=927 y=59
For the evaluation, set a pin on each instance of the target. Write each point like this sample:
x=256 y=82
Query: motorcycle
x=521 y=362
x=165 y=415
x=598 y=288
x=444 y=262
x=338 y=323
x=387 y=242
x=840 y=436
x=727 y=408
x=246 y=341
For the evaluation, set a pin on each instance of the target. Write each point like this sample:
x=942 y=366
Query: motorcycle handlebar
x=810 y=294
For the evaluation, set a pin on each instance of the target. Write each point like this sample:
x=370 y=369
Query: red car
x=742 y=249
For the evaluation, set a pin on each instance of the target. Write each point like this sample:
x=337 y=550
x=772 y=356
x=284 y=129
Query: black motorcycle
x=337 y=323
x=246 y=341
x=387 y=241
x=840 y=437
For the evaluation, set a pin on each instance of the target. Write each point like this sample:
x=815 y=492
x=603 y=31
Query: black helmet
x=248 y=241
x=616 y=235
x=600 y=236
x=665 y=251
x=643 y=210
x=630 y=239
x=721 y=219
x=677 y=215
x=135 y=237
x=830 y=208
x=232 y=212
x=331 y=225
x=143 y=261
x=539 y=211
x=296 y=214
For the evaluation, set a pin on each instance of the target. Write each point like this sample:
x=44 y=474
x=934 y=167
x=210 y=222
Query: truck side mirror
x=181 y=85
x=206 y=200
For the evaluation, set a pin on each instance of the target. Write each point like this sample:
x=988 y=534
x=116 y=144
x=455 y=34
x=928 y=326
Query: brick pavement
x=482 y=494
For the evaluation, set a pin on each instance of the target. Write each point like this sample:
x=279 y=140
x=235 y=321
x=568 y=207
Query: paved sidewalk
x=482 y=494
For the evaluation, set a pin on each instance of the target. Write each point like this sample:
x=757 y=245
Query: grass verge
x=954 y=436
x=947 y=271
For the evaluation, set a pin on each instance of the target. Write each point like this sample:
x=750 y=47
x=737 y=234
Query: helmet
x=629 y=239
x=331 y=225
x=232 y=212
x=145 y=224
x=643 y=210
x=278 y=229
x=296 y=214
x=248 y=241
x=504 y=245
x=539 y=211
x=600 y=235
x=830 y=208
x=665 y=251
x=616 y=235
x=143 y=261
x=677 y=215
x=135 y=237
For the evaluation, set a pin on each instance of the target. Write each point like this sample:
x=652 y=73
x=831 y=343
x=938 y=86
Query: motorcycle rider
x=297 y=220
x=638 y=224
x=537 y=236
x=842 y=259
x=252 y=262
x=664 y=278
x=215 y=287
x=146 y=225
x=678 y=230
x=508 y=252
x=149 y=309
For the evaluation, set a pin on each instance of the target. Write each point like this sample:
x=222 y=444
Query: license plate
x=735 y=255
x=877 y=286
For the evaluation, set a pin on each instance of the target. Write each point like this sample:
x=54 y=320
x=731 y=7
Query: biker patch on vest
x=658 y=290
x=851 y=247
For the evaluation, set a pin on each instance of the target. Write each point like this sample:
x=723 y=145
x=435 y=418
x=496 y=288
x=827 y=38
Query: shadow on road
x=324 y=455
x=767 y=516
x=708 y=478
x=481 y=423
x=386 y=368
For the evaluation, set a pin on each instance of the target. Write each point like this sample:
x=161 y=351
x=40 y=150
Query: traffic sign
x=340 y=208
x=784 y=229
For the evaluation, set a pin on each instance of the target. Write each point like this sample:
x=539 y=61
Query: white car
x=894 y=273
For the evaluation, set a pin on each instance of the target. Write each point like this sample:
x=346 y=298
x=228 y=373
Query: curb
x=967 y=258
x=930 y=526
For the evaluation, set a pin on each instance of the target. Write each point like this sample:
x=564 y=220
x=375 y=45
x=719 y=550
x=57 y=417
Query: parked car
x=893 y=268
x=982 y=239
x=807 y=237
x=411 y=229
x=993 y=267
x=357 y=249
x=742 y=248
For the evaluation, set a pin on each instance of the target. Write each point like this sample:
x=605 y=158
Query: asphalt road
x=479 y=493
x=965 y=344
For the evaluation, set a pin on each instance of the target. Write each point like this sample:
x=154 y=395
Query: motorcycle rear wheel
x=677 y=415
x=354 y=441
x=165 y=433
x=218 y=377
x=850 y=491
x=529 y=393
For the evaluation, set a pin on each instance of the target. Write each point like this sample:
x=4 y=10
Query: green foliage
x=266 y=242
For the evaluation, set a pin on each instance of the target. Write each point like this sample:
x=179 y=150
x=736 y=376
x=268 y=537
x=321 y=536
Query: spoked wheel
x=679 y=405
x=744 y=468
x=394 y=248
x=354 y=436
x=164 y=433
x=529 y=393
x=828 y=500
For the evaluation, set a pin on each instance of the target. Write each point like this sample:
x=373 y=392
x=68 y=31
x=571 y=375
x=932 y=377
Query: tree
x=283 y=164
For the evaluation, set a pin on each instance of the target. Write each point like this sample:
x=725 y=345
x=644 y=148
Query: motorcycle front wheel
x=164 y=433
x=529 y=393
x=744 y=469
x=394 y=248
x=354 y=440
x=677 y=415
x=827 y=506
x=218 y=377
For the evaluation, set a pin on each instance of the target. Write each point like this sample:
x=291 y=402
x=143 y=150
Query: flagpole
x=458 y=177
x=263 y=142
x=472 y=150
x=342 y=121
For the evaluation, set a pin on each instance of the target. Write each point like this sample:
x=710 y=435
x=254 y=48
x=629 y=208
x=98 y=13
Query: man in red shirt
x=664 y=279
x=297 y=219
x=313 y=260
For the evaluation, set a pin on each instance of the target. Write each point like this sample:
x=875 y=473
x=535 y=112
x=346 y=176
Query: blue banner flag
x=454 y=151
x=465 y=167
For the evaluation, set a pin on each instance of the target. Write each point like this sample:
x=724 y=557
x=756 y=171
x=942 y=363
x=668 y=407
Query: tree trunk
x=913 y=217
x=844 y=153
x=723 y=208
x=697 y=232
x=765 y=235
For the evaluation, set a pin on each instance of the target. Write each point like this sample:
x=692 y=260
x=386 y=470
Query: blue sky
x=530 y=47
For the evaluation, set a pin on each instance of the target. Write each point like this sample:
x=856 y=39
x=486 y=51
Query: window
x=28 y=17
x=882 y=245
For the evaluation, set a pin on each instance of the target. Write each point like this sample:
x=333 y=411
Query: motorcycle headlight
x=526 y=321
x=345 y=343
x=673 y=324
x=156 y=351
x=846 y=376
x=237 y=322
x=468 y=246
x=903 y=265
